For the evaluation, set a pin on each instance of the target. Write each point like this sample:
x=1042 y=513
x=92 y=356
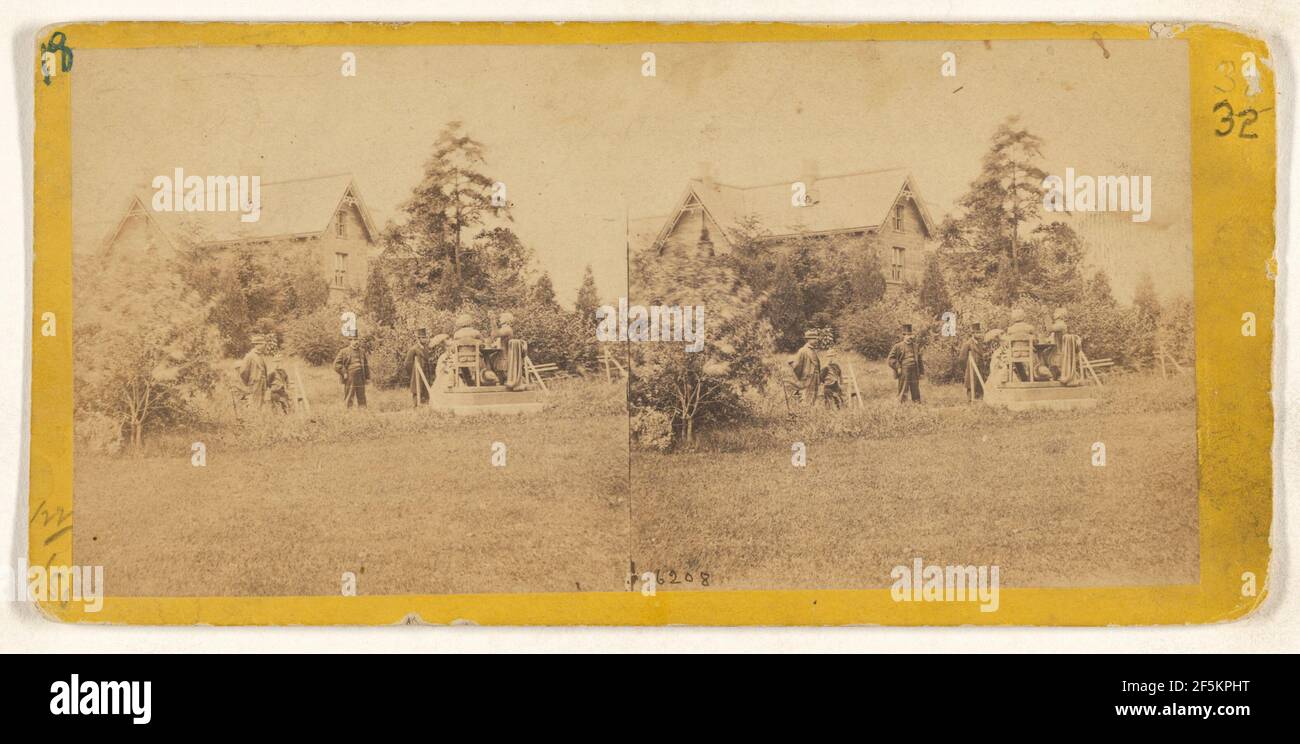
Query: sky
x=584 y=141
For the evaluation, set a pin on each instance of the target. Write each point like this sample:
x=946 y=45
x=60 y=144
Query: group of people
x=812 y=381
x=261 y=379
x=428 y=361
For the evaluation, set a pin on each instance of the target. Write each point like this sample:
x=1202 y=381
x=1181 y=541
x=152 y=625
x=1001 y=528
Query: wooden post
x=970 y=364
x=979 y=377
x=853 y=377
x=427 y=387
x=302 y=390
x=609 y=379
x=529 y=368
x=1087 y=365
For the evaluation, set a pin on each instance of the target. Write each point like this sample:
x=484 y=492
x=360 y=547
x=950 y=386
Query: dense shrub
x=872 y=331
x=251 y=289
x=652 y=430
x=387 y=348
x=316 y=337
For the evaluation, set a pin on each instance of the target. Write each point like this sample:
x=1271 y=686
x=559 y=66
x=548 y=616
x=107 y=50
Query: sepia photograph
x=333 y=322
x=933 y=331
x=441 y=320
x=950 y=320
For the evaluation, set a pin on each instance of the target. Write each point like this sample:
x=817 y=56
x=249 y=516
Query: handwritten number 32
x=1248 y=117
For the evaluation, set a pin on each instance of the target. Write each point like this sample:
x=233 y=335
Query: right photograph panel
x=912 y=315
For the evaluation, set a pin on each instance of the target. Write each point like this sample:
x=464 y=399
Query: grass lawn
x=1024 y=497
x=409 y=500
x=420 y=513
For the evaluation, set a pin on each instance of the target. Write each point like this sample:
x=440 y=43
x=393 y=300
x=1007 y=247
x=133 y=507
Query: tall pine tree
x=999 y=244
x=588 y=298
x=430 y=249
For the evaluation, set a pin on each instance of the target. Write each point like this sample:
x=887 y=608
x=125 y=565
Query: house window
x=340 y=269
x=341 y=224
x=896 y=265
x=898 y=217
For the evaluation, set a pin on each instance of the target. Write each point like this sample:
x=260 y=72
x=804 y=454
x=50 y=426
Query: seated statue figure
x=1021 y=336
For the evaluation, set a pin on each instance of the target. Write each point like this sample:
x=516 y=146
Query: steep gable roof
x=297 y=208
x=843 y=203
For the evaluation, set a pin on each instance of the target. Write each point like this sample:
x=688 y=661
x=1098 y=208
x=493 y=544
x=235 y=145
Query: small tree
x=867 y=280
x=588 y=299
x=698 y=388
x=933 y=295
x=584 y=311
x=1146 y=308
x=378 y=300
x=544 y=291
x=142 y=346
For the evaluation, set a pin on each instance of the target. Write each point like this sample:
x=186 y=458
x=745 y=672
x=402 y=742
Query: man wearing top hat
x=905 y=360
x=971 y=354
x=353 y=369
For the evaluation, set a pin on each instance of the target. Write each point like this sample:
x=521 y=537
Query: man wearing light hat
x=905 y=360
x=251 y=371
x=807 y=368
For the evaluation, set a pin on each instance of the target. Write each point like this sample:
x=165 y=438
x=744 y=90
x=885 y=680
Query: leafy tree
x=753 y=256
x=867 y=280
x=1146 y=309
x=142 y=347
x=584 y=314
x=252 y=289
x=1176 y=333
x=1145 y=299
x=588 y=298
x=544 y=291
x=378 y=300
x=1057 y=276
x=503 y=270
x=700 y=388
x=933 y=295
x=1098 y=288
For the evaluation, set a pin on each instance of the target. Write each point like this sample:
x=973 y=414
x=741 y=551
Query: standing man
x=807 y=368
x=971 y=353
x=417 y=362
x=905 y=360
x=353 y=369
x=252 y=371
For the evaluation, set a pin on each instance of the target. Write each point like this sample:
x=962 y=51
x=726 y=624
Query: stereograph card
x=645 y=324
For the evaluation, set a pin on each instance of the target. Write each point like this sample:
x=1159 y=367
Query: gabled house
x=884 y=205
x=325 y=213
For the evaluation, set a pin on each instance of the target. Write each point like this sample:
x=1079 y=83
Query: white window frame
x=340 y=269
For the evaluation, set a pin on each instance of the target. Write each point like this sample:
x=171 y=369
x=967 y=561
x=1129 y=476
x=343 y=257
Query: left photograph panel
x=332 y=320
